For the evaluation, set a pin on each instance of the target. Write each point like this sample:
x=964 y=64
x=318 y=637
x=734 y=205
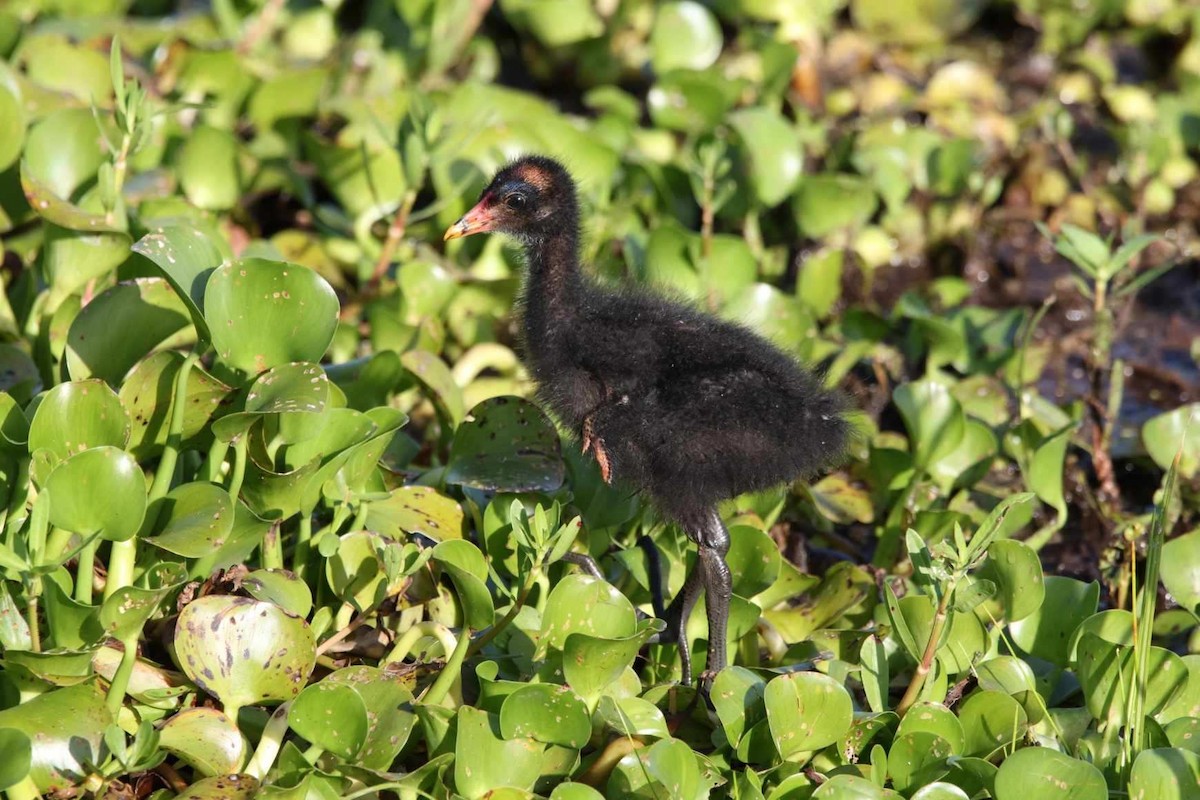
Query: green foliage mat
x=279 y=519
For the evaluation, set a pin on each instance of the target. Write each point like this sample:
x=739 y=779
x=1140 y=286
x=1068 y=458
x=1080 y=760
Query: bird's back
x=705 y=408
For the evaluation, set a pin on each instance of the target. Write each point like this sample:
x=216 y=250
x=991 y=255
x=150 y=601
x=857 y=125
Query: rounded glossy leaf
x=433 y=374
x=506 y=444
x=825 y=204
x=1165 y=773
x=575 y=791
x=187 y=257
x=195 y=520
x=632 y=716
x=965 y=639
x=75 y=416
x=1046 y=633
x=772 y=149
x=753 y=559
x=282 y=588
x=332 y=716
x=1017 y=572
x=934 y=718
x=99 y=491
x=580 y=603
x=149 y=312
x=548 y=713
x=1181 y=569
x=389 y=713
x=773 y=314
x=1041 y=772
x=1176 y=431
x=244 y=651
x=149 y=394
x=66 y=727
x=206 y=740
x=222 y=787
x=591 y=664
x=939 y=791
x=15 y=744
x=933 y=417
x=265 y=313
x=991 y=720
x=355 y=572
x=685 y=36
x=417 y=509
x=915 y=757
x=462 y=562
x=737 y=695
x=63 y=151
x=12 y=130
x=851 y=787
x=915 y=22
x=484 y=760
x=1105 y=670
x=667 y=768
x=806 y=711
x=207 y=166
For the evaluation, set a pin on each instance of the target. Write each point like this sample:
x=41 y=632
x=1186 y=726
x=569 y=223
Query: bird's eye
x=515 y=201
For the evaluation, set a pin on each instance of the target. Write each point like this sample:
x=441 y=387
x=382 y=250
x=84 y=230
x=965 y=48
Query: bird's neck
x=553 y=287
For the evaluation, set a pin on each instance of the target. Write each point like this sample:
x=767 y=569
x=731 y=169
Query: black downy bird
x=687 y=408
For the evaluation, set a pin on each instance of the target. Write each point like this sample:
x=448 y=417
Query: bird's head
x=530 y=198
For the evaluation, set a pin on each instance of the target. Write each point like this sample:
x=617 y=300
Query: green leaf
x=1165 y=773
x=771 y=148
x=99 y=491
x=75 y=416
x=206 y=740
x=18 y=753
x=685 y=35
x=194 y=519
x=66 y=727
x=244 y=651
x=266 y=313
x=933 y=417
x=150 y=313
x=506 y=444
x=1172 y=432
x=806 y=711
x=547 y=713
x=486 y=761
x=1034 y=771
x=187 y=257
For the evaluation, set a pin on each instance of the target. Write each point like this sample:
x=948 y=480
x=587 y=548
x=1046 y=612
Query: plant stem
x=450 y=673
x=238 y=474
x=394 y=236
x=518 y=604
x=25 y=789
x=121 y=560
x=410 y=637
x=270 y=743
x=85 y=570
x=272 y=547
x=215 y=460
x=120 y=681
x=927 y=657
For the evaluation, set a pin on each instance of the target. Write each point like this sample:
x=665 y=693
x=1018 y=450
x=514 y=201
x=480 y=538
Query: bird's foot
x=594 y=443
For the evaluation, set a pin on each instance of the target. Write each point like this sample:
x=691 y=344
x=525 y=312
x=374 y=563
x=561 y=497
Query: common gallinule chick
x=683 y=406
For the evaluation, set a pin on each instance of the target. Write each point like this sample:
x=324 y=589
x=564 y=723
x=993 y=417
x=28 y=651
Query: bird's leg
x=593 y=442
x=585 y=563
x=676 y=616
x=718 y=590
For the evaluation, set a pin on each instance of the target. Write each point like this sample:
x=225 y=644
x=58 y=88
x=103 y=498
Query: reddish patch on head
x=486 y=200
x=533 y=175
